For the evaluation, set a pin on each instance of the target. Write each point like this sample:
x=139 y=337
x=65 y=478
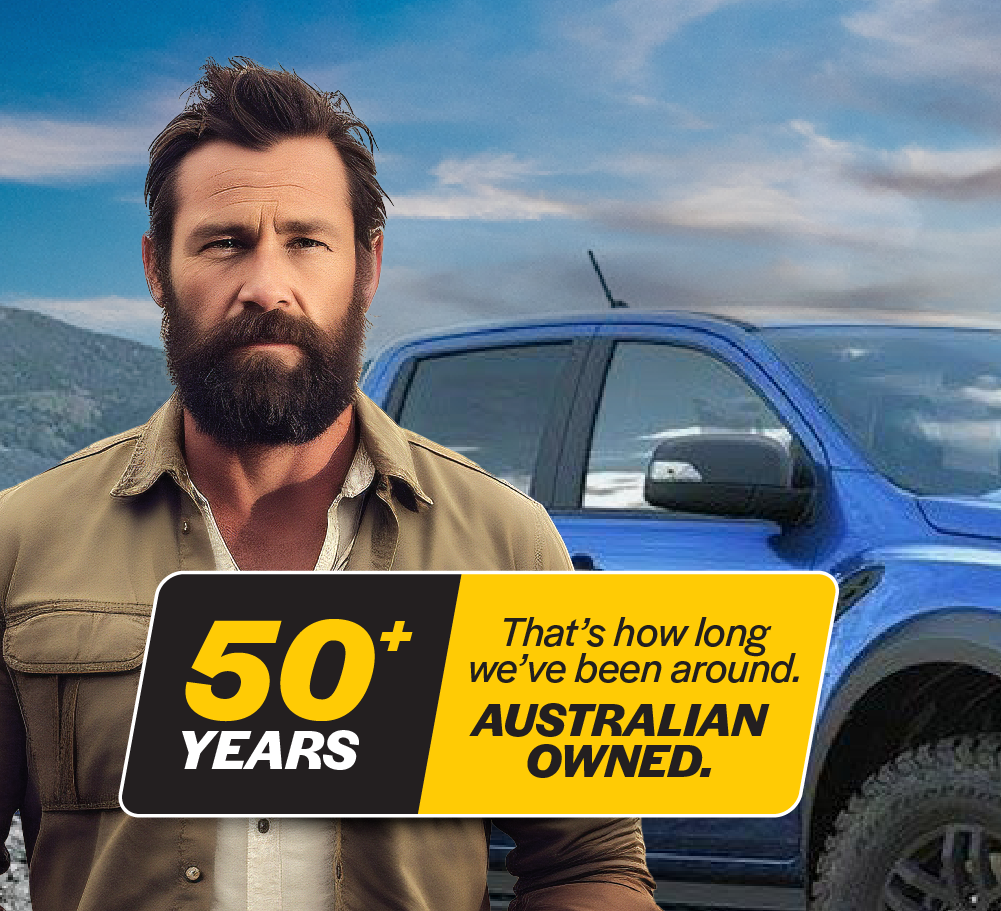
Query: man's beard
x=242 y=398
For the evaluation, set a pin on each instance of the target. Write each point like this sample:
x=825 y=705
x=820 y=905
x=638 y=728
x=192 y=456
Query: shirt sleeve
x=579 y=865
x=13 y=767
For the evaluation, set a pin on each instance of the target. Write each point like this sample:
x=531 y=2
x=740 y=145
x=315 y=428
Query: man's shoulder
x=480 y=521
x=106 y=446
x=435 y=471
x=101 y=461
x=456 y=466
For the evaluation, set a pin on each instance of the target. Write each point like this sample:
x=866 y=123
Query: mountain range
x=62 y=388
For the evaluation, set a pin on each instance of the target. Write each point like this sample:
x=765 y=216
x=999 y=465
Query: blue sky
x=832 y=155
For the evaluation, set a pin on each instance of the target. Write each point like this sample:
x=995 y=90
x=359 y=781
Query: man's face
x=264 y=300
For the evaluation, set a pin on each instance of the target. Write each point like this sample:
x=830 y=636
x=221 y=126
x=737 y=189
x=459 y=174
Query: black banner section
x=331 y=687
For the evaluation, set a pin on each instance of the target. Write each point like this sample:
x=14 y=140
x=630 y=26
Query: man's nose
x=267 y=279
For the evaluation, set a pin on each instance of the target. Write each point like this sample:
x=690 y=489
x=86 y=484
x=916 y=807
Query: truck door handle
x=584 y=563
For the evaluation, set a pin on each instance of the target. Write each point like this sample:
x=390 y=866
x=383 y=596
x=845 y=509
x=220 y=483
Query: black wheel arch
x=955 y=649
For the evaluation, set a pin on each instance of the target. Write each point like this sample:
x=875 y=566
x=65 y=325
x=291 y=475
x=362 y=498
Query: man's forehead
x=221 y=173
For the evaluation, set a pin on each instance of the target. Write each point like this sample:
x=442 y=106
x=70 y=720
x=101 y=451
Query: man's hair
x=254 y=107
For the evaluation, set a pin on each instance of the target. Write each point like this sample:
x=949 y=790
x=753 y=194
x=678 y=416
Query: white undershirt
x=343 y=517
x=290 y=865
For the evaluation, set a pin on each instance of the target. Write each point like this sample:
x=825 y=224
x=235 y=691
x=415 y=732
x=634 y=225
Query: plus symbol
x=396 y=635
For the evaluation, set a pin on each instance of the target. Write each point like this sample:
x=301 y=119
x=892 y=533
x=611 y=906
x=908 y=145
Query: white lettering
x=227 y=748
x=269 y=748
x=307 y=745
x=336 y=743
x=298 y=749
x=196 y=747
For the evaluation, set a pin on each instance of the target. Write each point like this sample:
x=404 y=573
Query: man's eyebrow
x=211 y=229
x=301 y=226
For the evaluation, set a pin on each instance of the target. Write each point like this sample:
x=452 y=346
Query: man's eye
x=224 y=243
x=307 y=242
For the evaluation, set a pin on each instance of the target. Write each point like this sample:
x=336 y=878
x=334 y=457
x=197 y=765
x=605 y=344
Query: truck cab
x=679 y=441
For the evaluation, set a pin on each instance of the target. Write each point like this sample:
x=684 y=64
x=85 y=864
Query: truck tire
x=923 y=834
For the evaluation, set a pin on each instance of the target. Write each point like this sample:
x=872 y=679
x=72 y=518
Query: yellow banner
x=638 y=694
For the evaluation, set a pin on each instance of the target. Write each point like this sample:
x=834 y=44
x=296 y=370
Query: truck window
x=656 y=391
x=489 y=405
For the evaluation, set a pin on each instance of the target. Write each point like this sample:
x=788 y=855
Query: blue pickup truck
x=679 y=441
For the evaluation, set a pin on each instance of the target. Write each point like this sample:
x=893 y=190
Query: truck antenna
x=612 y=302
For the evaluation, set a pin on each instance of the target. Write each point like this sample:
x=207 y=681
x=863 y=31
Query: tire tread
x=967 y=766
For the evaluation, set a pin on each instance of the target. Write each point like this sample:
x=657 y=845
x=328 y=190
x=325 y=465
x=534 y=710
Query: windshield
x=923 y=404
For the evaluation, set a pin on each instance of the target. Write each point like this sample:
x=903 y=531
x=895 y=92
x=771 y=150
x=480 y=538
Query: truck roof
x=740 y=318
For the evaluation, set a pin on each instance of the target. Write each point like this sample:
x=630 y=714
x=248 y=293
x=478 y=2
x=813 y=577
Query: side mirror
x=741 y=475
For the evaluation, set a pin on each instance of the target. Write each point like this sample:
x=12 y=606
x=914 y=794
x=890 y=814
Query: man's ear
x=152 y=273
x=373 y=267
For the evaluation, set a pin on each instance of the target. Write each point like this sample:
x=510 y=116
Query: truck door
x=634 y=394
x=573 y=418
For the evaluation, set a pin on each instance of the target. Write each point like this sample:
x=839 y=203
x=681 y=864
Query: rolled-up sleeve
x=579 y=865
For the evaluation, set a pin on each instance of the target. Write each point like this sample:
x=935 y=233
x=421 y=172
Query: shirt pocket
x=76 y=670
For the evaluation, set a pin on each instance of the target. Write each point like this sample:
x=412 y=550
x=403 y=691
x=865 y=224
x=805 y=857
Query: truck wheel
x=923 y=834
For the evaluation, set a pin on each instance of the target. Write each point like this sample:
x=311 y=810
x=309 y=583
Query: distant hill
x=62 y=387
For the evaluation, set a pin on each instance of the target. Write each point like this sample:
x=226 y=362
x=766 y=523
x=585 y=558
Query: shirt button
x=193 y=874
x=185 y=527
x=263 y=825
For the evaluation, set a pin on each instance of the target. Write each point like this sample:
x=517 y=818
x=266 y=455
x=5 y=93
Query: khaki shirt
x=82 y=550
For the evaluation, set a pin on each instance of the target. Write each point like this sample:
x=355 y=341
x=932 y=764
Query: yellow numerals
x=359 y=662
x=253 y=673
x=297 y=669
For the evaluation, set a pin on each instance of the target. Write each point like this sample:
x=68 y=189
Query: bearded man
x=264 y=250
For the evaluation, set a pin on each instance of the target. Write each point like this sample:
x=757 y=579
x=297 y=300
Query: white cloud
x=945 y=165
x=820 y=144
x=34 y=150
x=484 y=169
x=129 y=317
x=758 y=192
x=958 y=175
x=623 y=35
x=962 y=163
x=747 y=204
x=932 y=38
x=794 y=182
x=479 y=187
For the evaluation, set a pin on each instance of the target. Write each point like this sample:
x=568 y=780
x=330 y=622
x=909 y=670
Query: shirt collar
x=158 y=450
x=388 y=446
